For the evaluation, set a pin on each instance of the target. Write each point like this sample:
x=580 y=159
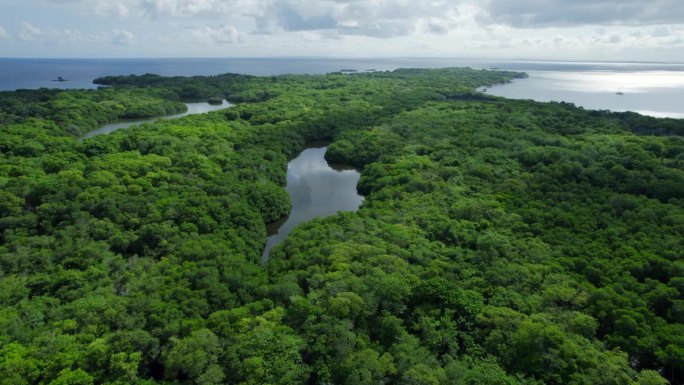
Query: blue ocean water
x=36 y=73
x=650 y=88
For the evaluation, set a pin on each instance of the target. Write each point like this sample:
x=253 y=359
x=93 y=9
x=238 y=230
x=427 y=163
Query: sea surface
x=651 y=88
x=658 y=93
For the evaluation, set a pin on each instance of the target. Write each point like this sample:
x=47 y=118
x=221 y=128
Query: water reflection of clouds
x=328 y=190
x=306 y=170
x=316 y=190
x=308 y=163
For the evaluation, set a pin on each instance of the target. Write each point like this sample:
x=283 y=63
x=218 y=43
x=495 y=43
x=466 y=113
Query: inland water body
x=317 y=189
x=193 y=108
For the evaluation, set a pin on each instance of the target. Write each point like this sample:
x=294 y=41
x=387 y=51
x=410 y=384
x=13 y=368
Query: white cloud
x=111 y=8
x=662 y=31
x=104 y=8
x=437 y=26
x=559 y=13
x=122 y=37
x=201 y=8
x=3 y=33
x=222 y=35
x=29 y=32
x=572 y=29
x=372 y=18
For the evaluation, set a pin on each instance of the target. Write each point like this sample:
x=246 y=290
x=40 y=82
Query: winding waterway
x=193 y=109
x=317 y=189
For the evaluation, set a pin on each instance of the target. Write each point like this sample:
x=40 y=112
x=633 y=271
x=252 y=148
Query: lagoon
x=317 y=189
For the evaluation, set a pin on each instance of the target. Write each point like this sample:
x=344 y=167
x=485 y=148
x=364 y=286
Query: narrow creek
x=317 y=189
x=193 y=108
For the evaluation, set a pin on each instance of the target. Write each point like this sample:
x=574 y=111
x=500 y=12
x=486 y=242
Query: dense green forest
x=79 y=111
x=501 y=242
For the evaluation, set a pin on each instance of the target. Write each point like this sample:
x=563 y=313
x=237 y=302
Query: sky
x=593 y=30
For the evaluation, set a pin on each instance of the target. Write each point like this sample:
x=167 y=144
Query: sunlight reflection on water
x=605 y=81
x=655 y=93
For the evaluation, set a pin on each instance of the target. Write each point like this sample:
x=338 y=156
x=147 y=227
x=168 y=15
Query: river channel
x=317 y=189
x=193 y=108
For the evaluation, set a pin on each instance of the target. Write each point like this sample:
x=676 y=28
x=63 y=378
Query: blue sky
x=550 y=29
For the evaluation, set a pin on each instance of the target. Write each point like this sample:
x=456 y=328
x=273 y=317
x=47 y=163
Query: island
x=498 y=242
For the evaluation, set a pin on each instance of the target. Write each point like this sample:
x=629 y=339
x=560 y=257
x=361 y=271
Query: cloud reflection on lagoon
x=317 y=189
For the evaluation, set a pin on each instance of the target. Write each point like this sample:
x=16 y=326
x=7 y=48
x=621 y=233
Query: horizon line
x=540 y=60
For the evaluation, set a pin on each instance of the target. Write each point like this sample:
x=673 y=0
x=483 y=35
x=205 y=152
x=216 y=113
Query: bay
x=654 y=92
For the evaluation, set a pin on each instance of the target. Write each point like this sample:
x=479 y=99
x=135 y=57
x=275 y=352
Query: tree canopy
x=500 y=241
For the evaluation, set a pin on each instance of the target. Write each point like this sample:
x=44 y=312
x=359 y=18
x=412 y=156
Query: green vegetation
x=501 y=242
x=216 y=100
x=78 y=111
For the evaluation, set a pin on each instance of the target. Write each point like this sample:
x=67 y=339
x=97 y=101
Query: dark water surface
x=317 y=189
x=193 y=108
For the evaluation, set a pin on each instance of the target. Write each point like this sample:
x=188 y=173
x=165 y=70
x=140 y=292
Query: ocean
x=657 y=92
x=655 y=89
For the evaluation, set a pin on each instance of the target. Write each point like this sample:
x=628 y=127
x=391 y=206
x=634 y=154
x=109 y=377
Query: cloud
x=661 y=32
x=122 y=37
x=380 y=29
x=371 y=18
x=565 y=13
x=200 y=8
x=29 y=32
x=573 y=29
x=383 y=18
x=111 y=8
x=3 y=33
x=374 y=18
x=615 y=39
x=222 y=35
x=291 y=19
x=437 y=26
x=106 y=8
